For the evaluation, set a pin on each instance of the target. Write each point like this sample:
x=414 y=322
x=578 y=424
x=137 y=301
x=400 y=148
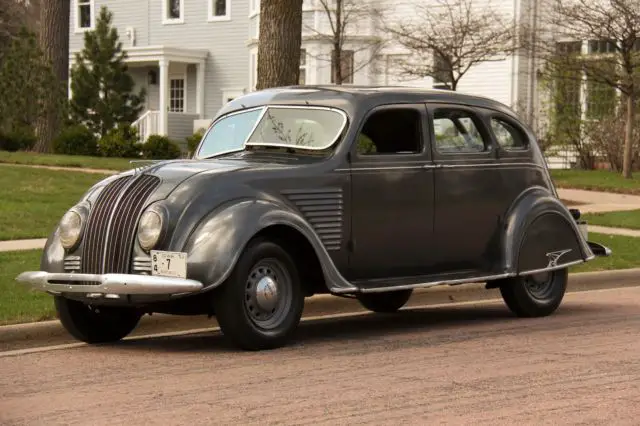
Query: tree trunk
x=54 y=42
x=279 y=45
x=628 y=137
x=338 y=78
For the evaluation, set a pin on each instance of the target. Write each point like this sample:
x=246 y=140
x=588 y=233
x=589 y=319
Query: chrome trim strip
x=120 y=284
x=435 y=166
x=436 y=283
x=553 y=268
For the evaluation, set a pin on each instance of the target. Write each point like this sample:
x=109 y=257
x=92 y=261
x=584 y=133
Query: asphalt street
x=464 y=363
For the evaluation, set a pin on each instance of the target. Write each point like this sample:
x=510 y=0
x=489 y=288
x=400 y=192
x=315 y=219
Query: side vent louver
x=323 y=209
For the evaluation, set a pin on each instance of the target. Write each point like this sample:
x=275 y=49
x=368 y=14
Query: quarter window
x=391 y=131
x=507 y=135
x=457 y=132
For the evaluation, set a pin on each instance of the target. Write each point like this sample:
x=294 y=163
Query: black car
x=362 y=191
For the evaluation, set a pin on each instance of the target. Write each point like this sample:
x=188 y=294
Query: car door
x=467 y=190
x=391 y=194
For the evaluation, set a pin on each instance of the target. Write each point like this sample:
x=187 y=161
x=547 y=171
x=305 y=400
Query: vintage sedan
x=366 y=192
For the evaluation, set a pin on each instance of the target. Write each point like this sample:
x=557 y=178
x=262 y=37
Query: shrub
x=76 y=140
x=194 y=140
x=160 y=148
x=22 y=139
x=119 y=142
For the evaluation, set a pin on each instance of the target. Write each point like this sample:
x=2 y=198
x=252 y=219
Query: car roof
x=350 y=97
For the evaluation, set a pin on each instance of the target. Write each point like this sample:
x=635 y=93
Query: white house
x=193 y=56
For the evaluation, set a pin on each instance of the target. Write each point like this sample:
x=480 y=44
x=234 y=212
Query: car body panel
x=375 y=223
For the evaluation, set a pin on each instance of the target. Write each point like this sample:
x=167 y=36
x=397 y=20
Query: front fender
x=52 y=259
x=218 y=241
x=540 y=233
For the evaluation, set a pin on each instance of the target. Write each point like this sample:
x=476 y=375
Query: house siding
x=227 y=64
x=180 y=126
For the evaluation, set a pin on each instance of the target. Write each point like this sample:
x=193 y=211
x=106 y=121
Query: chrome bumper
x=107 y=285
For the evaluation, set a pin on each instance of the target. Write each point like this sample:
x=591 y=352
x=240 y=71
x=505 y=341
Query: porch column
x=200 y=89
x=163 y=103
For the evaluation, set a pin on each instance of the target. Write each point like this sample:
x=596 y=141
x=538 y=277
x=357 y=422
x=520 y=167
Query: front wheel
x=260 y=305
x=384 y=302
x=95 y=324
x=535 y=295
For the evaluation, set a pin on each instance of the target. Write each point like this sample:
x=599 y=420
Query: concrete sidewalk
x=590 y=202
x=597 y=201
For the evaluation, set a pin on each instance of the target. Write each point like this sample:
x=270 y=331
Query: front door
x=467 y=190
x=391 y=195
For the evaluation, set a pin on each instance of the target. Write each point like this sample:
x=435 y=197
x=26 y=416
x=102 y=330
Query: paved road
x=461 y=364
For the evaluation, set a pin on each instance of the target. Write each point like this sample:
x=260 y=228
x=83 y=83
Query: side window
x=391 y=131
x=508 y=136
x=457 y=132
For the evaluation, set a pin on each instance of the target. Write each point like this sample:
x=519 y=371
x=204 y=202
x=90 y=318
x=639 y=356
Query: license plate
x=169 y=264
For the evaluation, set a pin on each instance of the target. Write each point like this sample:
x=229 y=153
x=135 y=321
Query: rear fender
x=218 y=241
x=541 y=234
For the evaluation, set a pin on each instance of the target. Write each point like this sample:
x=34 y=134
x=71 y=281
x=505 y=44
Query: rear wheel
x=535 y=295
x=260 y=305
x=389 y=301
x=95 y=324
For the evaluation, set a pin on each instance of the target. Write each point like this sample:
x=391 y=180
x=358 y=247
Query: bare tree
x=54 y=42
x=612 y=30
x=448 y=37
x=279 y=43
x=345 y=18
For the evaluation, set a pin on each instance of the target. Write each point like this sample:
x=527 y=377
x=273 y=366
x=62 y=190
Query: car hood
x=173 y=173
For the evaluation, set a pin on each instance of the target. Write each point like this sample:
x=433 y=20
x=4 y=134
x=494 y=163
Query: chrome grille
x=322 y=208
x=141 y=265
x=72 y=263
x=112 y=224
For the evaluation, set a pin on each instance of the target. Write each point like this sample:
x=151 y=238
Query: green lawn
x=20 y=304
x=622 y=219
x=17 y=302
x=596 y=180
x=65 y=160
x=33 y=200
x=626 y=253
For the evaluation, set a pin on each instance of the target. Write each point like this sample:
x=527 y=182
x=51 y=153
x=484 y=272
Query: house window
x=84 y=14
x=442 y=72
x=176 y=95
x=253 y=70
x=173 y=11
x=346 y=67
x=303 y=67
x=219 y=10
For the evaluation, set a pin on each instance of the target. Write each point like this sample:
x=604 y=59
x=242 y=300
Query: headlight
x=70 y=229
x=149 y=229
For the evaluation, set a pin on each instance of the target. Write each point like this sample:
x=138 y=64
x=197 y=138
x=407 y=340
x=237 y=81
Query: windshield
x=297 y=127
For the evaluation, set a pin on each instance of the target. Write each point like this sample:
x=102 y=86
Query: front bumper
x=108 y=285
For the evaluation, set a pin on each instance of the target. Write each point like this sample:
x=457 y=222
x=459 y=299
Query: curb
x=51 y=332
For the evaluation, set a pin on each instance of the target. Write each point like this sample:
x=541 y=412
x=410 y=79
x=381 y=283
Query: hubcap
x=268 y=294
x=540 y=285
